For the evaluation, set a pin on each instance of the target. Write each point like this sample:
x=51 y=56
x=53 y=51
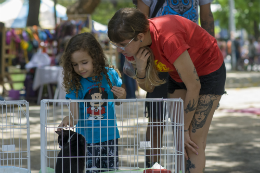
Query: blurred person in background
x=258 y=51
x=238 y=52
x=229 y=45
x=129 y=84
x=251 y=52
x=244 y=57
x=223 y=47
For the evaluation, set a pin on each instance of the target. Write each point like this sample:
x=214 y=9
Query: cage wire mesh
x=15 y=137
x=145 y=144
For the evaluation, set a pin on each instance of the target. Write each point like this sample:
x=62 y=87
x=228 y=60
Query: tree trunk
x=55 y=12
x=256 y=30
x=83 y=7
x=33 y=14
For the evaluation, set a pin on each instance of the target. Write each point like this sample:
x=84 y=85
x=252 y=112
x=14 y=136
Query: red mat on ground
x=157 y=171
x=247 y=110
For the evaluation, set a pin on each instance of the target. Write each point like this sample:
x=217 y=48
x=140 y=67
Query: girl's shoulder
x=110 y=68
x=111 y=71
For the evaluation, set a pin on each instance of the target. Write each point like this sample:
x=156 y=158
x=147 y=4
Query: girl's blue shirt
x=97 y=120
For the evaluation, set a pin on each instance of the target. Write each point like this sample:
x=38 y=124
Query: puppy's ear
x=58 y=132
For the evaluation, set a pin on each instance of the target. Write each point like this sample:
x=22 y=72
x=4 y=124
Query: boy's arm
x=74 y=112
x=143 y=7
x=72 y=119
x=207 y=19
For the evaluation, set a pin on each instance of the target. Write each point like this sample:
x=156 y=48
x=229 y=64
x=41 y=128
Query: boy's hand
x=119 y=92
x=66 y=122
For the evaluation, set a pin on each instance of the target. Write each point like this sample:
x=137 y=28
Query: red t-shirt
x=172 y=35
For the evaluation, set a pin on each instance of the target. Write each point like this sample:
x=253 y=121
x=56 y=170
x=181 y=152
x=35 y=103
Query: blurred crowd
x=246 y=51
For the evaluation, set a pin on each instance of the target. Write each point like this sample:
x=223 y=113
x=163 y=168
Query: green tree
x=247 y=15
x=66 y=3
x=105 y=10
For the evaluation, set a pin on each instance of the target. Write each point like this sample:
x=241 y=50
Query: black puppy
x=71 y=157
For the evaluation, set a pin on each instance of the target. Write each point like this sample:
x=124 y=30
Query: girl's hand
x=67 y=121
x=189 y=144
x=141 y=59
x=119 y=92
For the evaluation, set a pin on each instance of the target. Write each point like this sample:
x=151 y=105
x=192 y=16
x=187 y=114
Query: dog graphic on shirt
x=96 y=110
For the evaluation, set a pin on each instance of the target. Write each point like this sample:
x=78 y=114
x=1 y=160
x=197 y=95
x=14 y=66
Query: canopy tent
x=14 y=13
x=98 y=27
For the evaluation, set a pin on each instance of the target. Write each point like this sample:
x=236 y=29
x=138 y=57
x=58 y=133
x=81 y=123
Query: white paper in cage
x=8 y=147
x=145 y=144
x=12 y=169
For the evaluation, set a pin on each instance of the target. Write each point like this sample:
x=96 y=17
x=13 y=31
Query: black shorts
x=213 y=83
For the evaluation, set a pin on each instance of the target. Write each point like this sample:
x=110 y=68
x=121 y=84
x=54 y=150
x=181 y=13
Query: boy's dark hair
x=127 y=23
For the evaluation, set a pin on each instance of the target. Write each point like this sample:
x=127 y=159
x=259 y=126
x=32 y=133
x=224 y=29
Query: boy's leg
x=178 y=93
x=154 y=132
x=155 y=127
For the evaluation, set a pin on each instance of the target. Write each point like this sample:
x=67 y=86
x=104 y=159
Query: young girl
x=191 y=57
x=87 y=76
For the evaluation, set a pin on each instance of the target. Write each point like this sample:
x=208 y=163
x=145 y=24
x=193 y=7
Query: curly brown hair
x=84 y=42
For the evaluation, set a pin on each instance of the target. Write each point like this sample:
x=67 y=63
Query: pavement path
x=233 y=143
x=242 y=79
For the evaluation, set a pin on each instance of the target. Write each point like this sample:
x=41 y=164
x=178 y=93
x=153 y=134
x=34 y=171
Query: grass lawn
x=17 y=77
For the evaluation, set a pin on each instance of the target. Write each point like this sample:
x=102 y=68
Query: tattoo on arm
x=195 y=72
x=186 y=130
x=189 y=166
x=190 y=107
x=208 y=25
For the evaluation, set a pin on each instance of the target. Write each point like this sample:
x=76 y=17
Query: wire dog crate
x=15 y=137
x=144 y=144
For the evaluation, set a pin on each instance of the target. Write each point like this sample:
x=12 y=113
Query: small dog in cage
x=71 y=157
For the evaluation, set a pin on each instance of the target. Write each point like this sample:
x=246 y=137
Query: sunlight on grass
x=17 y=77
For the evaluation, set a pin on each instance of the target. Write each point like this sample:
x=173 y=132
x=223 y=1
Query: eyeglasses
x=123 y=48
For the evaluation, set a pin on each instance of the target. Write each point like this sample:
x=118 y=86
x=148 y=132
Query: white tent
x=14 y=13
x=98 y=27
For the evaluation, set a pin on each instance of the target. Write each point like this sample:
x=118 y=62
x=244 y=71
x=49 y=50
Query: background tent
x=98 y=27
x=14 y=13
